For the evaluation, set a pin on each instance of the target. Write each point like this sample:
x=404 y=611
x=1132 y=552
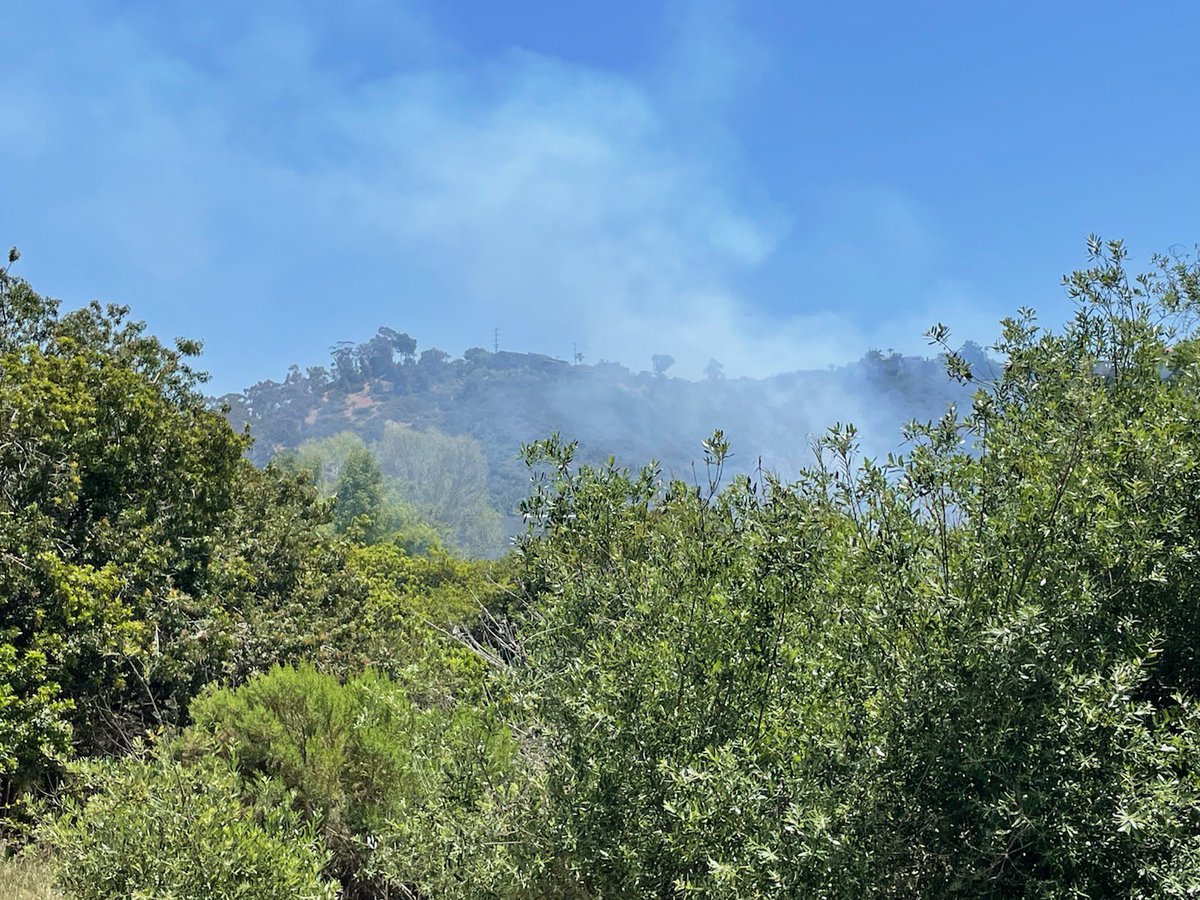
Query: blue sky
x=777 y=185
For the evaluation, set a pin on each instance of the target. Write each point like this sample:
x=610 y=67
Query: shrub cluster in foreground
x=970 y=670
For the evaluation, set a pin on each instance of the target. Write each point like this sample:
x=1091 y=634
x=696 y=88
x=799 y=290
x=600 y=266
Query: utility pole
x=496 y=341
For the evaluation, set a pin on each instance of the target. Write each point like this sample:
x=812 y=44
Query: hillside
x=502 y=400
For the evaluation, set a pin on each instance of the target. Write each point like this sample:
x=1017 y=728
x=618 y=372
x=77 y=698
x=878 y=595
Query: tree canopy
x=970 y=668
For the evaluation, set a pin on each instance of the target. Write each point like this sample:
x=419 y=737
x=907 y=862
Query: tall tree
x=359 y=495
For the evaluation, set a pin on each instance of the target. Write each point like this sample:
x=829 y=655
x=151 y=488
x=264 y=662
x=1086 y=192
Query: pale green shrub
x=159 y=829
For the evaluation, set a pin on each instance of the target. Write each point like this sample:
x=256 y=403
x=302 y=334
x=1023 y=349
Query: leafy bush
x=416 y=605
x=159 y=829
x=141 y=556
x=415 y=799
x=34 y=732
x=112 y=473
x=969 y=671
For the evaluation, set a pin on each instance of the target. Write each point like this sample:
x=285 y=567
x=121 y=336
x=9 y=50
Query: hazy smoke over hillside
x=498 y=401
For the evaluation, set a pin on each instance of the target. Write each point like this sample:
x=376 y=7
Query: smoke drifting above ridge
x=255 y=167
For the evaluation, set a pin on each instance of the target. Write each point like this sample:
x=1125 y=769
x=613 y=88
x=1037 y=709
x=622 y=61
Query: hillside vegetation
x=447 y=431
x=971 y=670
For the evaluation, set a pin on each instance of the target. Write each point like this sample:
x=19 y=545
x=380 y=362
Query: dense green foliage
x=114 y=477
x=408 y=799
x=142 y=557
x=359 y=496
x=157 y=829
x=970 y=669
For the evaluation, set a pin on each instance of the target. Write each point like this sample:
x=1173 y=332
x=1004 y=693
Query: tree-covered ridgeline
x=969 y=669
x=445 y=429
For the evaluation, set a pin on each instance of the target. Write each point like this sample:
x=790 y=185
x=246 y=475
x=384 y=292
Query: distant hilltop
x=503 y=399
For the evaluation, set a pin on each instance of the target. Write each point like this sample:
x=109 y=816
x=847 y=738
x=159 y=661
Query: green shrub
x=156 y=828
x=414 y=603
x=141 y=556
x=973 y=670
x=407 y=798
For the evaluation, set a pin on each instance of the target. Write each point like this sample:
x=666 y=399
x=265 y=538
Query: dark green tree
x=140 y=554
